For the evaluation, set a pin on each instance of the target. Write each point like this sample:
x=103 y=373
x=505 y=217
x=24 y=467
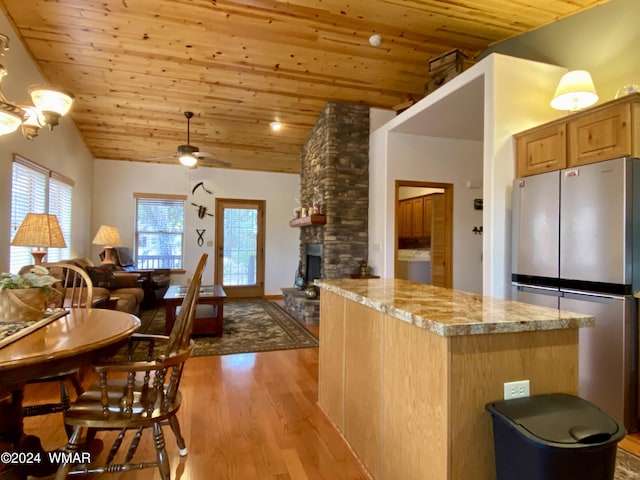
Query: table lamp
x=575 y=91
x=39 y=230
x=107 y=236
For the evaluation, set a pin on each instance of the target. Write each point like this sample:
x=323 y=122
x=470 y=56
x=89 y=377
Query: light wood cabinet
x=331 y=359
x=410 y=403
x=604 y=132
x=362 y=384
x=541 y=149
x=406 y=218
x=416 y=215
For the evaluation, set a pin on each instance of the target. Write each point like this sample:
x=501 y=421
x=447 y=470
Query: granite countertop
x=449 y=312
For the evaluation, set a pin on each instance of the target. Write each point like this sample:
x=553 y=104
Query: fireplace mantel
x=308 y=220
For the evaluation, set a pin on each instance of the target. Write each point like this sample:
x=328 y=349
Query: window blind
x=159 y=232
x=35 y=190
x=60 y=206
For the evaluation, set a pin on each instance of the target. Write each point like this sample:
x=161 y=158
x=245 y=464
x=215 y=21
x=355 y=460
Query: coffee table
x=209 y=309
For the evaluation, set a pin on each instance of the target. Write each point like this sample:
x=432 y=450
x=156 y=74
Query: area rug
x=249 y=325
x=627 y=466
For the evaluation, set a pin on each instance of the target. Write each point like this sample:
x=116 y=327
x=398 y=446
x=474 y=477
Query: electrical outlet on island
x=519 y=389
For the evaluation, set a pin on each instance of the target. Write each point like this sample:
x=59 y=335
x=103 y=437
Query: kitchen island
x=406 y=370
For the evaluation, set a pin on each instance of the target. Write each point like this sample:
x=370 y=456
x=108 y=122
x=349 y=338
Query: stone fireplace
x=335 y=167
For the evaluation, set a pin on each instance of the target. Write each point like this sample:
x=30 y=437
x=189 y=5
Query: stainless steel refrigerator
x=575 y=232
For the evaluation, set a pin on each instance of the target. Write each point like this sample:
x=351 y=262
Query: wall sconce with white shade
x=39 y=230
x=574 y=92
x=49 y=104
x=108 y=236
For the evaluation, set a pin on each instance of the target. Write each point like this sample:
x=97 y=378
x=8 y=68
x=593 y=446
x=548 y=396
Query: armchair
x=155 y=281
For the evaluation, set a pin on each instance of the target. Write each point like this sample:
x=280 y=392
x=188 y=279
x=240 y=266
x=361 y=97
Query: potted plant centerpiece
x=24 y=297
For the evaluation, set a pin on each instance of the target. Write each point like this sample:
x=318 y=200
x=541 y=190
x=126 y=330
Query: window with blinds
x=159 y=231
x=36 y=189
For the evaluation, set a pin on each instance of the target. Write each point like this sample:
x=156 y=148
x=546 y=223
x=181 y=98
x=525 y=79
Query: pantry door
x=239 y=265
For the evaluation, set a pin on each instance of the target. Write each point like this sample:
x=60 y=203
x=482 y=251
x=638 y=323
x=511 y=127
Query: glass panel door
x=240 y=247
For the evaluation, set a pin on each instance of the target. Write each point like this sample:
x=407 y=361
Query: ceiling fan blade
x=209 y=157
x=211 y=162
x=162 y=157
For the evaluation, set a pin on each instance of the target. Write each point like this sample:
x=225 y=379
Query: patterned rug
x=249 y=325
x=627 y=466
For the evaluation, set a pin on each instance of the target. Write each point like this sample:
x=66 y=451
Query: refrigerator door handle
x=591 y=296
x=522 y=287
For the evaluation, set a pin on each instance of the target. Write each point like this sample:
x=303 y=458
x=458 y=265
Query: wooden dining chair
x=74 y=289
x=136 y=394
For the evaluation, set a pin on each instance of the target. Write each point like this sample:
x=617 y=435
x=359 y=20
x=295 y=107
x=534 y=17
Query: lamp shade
x=575 y=91
x=107 y=235
x=39 y=230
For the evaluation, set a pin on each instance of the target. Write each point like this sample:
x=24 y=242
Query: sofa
x=155 y=281
x=108 y=284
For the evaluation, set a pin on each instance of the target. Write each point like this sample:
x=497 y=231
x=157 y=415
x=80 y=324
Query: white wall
x=378 y=117
x=61 y=150
x=508 y=111
x=475 y=116
x=429 y=159
x=114 y=204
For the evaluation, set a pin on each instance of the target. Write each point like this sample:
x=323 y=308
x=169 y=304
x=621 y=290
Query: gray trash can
x=554 y=437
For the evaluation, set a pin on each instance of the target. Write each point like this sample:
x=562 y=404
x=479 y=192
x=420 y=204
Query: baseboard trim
x=272 y=297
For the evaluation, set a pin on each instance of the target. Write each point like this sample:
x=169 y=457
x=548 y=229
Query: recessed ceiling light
x=275 y=126
x=375 y=40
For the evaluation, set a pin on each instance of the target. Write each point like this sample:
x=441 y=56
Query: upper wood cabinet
x=603 y=132
x=415 y=217
x=416 y=212
x=406 y=219
x=541 y=149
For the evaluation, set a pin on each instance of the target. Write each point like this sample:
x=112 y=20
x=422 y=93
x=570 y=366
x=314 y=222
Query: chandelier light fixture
x=48 y=105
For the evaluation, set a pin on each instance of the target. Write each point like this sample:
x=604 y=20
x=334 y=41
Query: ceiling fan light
x=50 y=101
x=188 y=160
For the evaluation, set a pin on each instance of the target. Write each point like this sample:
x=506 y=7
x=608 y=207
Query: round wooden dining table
x=76 y=339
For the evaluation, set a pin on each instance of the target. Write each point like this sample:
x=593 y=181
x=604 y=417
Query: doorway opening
x=424 y=232
x=239 y=264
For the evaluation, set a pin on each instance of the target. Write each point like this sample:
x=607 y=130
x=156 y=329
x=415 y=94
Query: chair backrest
x=181 y=332
x=158 y=377
x=75 y=287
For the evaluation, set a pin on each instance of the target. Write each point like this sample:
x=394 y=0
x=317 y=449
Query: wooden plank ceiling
x=135 y=66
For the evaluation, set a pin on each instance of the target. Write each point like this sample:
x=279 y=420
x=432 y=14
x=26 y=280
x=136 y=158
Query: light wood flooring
x=247 y=416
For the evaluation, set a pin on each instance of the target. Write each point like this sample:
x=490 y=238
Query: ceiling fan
x=188 y=154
